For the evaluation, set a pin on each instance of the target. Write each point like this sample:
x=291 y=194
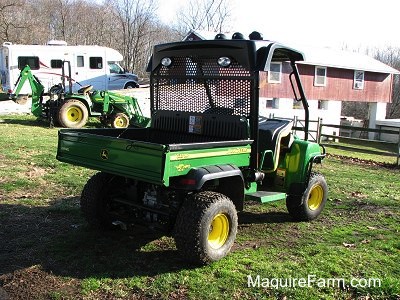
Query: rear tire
x=312 y=201
x=206 y=227
x=95 y=201
x=73 y=114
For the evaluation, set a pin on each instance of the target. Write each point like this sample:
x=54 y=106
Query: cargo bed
x=149 y=154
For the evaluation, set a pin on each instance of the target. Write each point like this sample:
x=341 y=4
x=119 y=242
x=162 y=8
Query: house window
x=275 y=72
x=96 y=62
x=320 y=76
x=80 y=63
x=358 y=80
x=56 y=63
x=31 y=61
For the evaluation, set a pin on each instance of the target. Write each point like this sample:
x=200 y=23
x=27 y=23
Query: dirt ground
x=47 y=251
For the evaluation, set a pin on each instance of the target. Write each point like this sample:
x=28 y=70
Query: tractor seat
x=85 y=89
x=272 y=134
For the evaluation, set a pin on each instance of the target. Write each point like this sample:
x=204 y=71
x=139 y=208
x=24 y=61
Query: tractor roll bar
x=302 y=98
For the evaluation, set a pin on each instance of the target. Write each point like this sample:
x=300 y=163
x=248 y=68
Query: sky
x=337 y=24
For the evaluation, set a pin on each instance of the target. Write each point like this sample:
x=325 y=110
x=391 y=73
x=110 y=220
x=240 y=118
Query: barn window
x=275 y=72
x=272 y=103
x=323 y=104
x=31 y=61
x=297 y=104
x=320 y=76
x=358 y=80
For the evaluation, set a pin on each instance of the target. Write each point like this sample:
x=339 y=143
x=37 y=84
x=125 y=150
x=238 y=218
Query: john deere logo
x=104 y=154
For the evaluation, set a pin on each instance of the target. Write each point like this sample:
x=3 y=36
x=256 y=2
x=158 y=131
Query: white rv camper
x=90 y=65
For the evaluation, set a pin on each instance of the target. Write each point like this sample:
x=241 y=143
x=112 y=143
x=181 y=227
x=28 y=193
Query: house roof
x=324 y=56
x=204 y=35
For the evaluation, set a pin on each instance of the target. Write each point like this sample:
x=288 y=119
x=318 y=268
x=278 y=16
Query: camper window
x=32 y=61
x=79 y=61
x=56 y=63
x=96 y=62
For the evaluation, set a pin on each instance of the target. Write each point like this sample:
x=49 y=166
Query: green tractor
x=72 y=110
x=206 y=152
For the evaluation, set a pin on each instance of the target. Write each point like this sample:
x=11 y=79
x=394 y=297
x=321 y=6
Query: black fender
x=228 y=180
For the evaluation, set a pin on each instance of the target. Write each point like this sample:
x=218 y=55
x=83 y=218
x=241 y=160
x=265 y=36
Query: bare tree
x=10 y=18
x=391 y=57
x=135 y=18
x=210 y=15
x=129 y=26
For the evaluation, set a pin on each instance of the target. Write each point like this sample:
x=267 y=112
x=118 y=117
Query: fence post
x=398 y=150
x=319 y=130
x=295 y=124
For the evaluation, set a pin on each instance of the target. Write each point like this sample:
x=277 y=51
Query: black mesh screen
x=200 y=85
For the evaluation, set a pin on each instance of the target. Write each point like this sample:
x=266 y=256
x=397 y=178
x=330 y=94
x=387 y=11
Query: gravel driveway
x=10 y=107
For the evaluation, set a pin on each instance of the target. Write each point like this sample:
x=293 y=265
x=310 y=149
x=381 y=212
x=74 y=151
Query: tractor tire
x=312 y=201
x=119 y=120
x=95 y=203
x=206 y=227
x=73 y=114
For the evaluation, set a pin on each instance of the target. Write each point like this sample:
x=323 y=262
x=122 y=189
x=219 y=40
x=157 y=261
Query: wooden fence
x=317 y=135
x=370 y=142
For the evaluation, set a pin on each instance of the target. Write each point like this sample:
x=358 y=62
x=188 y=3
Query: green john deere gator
x=206 y=151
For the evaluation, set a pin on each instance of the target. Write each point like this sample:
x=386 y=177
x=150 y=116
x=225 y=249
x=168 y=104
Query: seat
x=85 y=89
x=209 y=126
x=273 y=133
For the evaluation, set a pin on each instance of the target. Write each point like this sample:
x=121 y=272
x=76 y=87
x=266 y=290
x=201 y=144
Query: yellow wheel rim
x=74 y=114
x=120 y=122
x=219 y=231
x=316 y=197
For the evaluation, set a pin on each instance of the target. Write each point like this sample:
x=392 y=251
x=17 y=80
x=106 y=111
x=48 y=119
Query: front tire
x=119 y=120
x=312 y=201
x=73 y=114
x=206 y=227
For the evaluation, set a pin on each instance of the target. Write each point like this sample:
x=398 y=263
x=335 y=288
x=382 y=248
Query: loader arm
x=36 y=87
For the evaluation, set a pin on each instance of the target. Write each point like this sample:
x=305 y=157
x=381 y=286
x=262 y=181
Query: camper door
x=90 y=70
x=4 y=73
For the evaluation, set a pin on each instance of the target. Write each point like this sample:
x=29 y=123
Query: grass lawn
x=47 y=251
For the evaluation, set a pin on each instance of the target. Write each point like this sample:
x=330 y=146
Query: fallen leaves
x=348 y=245
x=353 y=245
x=360 y=161
x=359 y=195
